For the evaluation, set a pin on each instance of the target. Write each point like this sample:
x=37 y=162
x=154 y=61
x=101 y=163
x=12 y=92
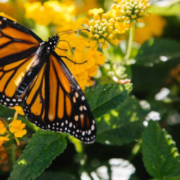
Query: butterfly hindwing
x=56 y=102
x=17 y=51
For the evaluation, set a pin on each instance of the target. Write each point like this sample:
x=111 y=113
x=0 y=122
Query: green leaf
x=43 y=147
x=114 y=53
x=122 y=125
x=174 y=178
x=104 y=98
x=55 y=176
x=148 y=81
x=6 y=112
x=177 y=172
x=173 y=9
x=160 y=154
x=157 y=50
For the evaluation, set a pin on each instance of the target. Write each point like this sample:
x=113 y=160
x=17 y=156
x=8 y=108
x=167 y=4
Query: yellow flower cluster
x=2 y=127
x=84 y=53
x=50 y=12
x=84 y=6
x=16 y=127
x=3 y=130
x=153 y=27
x=104 y=28
x=128 y=10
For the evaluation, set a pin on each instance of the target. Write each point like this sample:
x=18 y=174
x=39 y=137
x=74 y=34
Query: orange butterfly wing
x=56 y=102
x=17 y=50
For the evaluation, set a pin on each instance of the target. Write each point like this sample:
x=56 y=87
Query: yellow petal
x=19 y=110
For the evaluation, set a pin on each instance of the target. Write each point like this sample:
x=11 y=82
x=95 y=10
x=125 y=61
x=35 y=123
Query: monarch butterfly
x=32 y=74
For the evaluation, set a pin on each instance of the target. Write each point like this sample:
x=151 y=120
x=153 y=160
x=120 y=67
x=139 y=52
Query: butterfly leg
x=68 y=45
x=62 y=49
x=72 y=60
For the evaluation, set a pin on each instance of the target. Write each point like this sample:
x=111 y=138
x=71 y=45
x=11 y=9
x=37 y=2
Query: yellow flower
x=17 y=127
x=2 y=127
x=19 y=110
x=9 y=9
x=122 y=27
x=128 y=10
x=84 y=6
x=82 y=52
x=3 y=140
x=5 y=15
x=38 y=13
x=153 y=27
x=73 y=26
x=103 y=30
x=50 y=12
x=95 y=11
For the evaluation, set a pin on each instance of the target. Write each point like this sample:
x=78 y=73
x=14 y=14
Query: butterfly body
x=33 y=74
x=41 y=56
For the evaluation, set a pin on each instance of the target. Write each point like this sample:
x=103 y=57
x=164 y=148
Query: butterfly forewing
x=17 y=50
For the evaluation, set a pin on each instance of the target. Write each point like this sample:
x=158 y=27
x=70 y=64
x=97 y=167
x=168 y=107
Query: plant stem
x=130 y=41
x=13 y=153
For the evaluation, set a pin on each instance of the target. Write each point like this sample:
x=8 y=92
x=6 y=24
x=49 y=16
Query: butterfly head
x=51 y=43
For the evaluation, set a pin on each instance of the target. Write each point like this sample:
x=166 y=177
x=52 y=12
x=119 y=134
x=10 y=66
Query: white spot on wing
x=76 y=118
x=92 y=127
x=74 y=99
x=81 y=108
x=84 y=107
x=76 y=94
x=83 y=133
x=70 y=124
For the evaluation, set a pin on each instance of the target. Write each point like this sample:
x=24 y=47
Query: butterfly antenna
x=68 y=32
